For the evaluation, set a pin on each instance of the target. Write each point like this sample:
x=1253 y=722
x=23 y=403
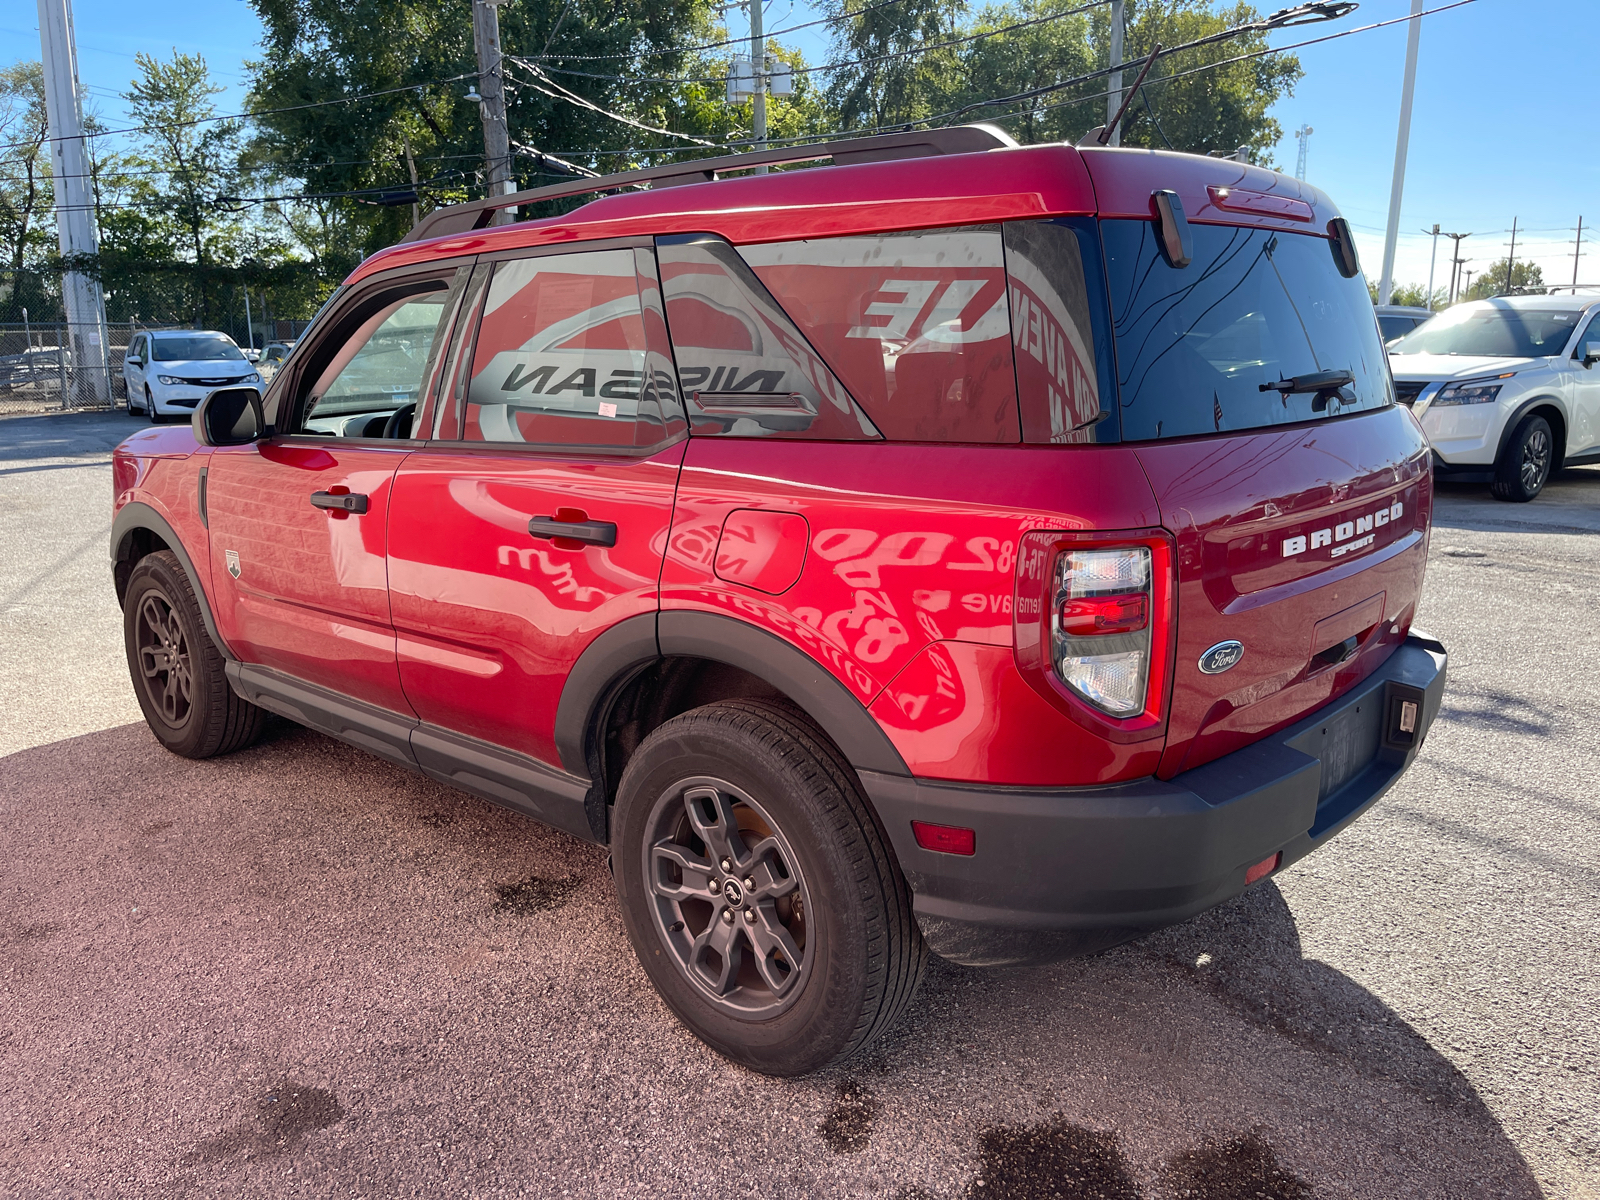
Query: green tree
x=26 y=195
x=184 y=163
x=1412 y=295
x=622 y=57
x=1493 y=282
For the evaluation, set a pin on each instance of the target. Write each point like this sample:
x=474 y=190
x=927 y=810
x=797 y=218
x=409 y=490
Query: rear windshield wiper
x=1317 y=381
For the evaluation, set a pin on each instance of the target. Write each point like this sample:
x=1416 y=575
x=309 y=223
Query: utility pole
x=1577 y=248
x=1432 y=261
x=249 y=329
x=1119 y=25
x=411 y=167
x=1511 y=259
x=1402 y=141
x=758 y=59
x=1304 y=135
x=69 y=158
x=1455 y=261
x=1466 y=286
x=491 y=84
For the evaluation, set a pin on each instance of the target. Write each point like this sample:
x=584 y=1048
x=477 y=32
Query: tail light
x=1100 y=635
x=1094 y=627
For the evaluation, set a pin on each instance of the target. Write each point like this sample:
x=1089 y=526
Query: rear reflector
x=945 y=839
x=1091 y=615
x=1263 y=868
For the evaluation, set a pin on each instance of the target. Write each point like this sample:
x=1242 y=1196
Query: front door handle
x=350 y=502
x=595 y=533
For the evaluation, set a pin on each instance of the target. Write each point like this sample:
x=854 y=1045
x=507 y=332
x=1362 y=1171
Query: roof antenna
x=1101 y=134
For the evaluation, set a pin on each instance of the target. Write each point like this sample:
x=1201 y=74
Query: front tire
x=1525 y=465
x=758 y=890
x=177 y=670
x=150 y=406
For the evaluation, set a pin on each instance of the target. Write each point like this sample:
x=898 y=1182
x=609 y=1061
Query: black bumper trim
x=1066 y=871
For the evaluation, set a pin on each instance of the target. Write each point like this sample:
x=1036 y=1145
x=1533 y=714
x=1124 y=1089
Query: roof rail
x=956 y=139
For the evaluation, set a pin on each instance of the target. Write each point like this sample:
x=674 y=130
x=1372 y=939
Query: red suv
x=999 y=551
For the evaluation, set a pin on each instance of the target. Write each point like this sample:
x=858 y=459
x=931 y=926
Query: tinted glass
x=194 y=349
x=381 y=370
x=915 y=324
x=744 y=369
x=1495 y=329
x=1058 y=345
x=562 y=355
x=1199 y=348
x=1393 y=327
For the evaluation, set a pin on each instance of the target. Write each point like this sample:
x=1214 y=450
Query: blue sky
x=1496 y=132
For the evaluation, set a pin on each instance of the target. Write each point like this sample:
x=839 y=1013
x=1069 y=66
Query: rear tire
x=177 y=671
x=1525 y=464
x=821 y=955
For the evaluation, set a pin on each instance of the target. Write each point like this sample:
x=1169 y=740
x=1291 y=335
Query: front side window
x=194 y=349
x=374 y=382
x=744 y=369
x=564 y=357
x=1493 y=329
x=914 y=323
x=1259 y=329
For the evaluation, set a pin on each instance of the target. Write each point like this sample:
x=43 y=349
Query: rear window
x=1201 y=349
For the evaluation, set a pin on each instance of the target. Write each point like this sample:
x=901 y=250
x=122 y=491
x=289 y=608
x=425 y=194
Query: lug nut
x=713 y=886
x=750 y=883
x=749 y=916
x=727 y=916
x=727 y=864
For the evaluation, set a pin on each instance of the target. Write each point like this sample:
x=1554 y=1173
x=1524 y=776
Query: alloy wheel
x=728 y=897
x=1535 y=460
x=164 y=659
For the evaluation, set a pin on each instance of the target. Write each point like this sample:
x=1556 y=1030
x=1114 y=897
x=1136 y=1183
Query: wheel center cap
x=733 y=893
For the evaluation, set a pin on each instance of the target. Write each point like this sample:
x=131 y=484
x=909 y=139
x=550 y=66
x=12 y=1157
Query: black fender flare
x=1515 y=419
x=631 y=646
x=138 y=515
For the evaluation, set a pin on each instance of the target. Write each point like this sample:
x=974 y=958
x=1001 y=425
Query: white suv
x=1507 y=389
x=170 y=371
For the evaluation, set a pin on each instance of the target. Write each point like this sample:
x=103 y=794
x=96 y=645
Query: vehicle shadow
x=300 y=959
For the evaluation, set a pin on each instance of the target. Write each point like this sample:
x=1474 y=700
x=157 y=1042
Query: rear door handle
x=595 y=533
x=353 y=502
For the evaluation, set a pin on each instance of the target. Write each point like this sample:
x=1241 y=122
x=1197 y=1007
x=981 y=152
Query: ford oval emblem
x=1221 y=657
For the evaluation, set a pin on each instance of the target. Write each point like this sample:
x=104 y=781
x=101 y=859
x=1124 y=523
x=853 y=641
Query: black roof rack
x=957 y=139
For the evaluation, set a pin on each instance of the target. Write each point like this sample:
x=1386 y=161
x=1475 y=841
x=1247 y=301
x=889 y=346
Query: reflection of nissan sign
x=1221 y=657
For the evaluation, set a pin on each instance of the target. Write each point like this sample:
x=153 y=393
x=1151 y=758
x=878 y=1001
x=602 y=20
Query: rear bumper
x=1060 y=872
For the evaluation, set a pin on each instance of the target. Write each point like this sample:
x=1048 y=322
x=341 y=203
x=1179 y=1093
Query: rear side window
x=1204 y=349
x=563 y=357
x=744 y=369
x=915 y=324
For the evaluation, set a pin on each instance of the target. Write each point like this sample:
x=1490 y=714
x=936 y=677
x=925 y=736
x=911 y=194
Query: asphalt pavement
x=301 y=971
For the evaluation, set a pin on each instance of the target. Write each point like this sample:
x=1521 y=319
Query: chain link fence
x=56 y=367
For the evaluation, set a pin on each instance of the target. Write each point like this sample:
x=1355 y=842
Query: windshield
x=189 y=349
x=1493 y=331
x=1239 y=338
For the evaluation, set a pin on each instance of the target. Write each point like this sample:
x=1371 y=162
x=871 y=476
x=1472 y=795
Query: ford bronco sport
x=960 y=547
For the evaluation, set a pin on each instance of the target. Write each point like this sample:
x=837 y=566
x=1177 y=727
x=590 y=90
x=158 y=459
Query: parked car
x=1397 y=320
x=36 y=364
x=273 y=356
x=1506 y=389
x=954 y=548
x=167 y=372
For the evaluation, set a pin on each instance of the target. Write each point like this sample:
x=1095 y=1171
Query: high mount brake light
x=1093 y=626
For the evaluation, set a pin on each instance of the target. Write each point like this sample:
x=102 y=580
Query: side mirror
x=229 y=416
x=1343 y=245
x=133 y=360
x=1591 y=353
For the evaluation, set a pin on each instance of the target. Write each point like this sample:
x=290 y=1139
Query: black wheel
x=150 y=406
x=1524 y=467
x=132 y=411
x=177 y=670
x=759 y=891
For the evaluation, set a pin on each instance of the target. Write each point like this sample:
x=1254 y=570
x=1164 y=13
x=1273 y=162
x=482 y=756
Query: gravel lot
x=303 y=971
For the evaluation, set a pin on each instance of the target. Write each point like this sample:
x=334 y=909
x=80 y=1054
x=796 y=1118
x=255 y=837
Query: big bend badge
x=233 y=562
